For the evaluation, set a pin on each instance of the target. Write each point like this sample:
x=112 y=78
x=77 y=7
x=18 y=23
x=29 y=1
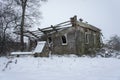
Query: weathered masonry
x=70 y=37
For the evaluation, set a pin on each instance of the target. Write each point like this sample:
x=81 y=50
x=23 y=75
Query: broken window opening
x=49 y=39
x=64 y=39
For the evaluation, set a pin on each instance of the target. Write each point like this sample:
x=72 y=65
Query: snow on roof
x=39 y=47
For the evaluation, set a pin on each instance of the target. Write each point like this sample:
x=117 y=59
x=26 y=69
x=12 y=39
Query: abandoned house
x=70 y=37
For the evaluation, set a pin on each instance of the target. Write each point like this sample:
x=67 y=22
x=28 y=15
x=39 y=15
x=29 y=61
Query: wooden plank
x=66 y=25
x=62 y=23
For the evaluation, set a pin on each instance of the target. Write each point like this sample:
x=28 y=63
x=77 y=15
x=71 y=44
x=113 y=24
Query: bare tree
x=114 y=43
x=27 y=8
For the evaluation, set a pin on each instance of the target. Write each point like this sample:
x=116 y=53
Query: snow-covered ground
x=59 y=68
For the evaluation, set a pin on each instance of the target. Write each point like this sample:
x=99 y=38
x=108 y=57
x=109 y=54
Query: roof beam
x=33 y=34
x=42 y=31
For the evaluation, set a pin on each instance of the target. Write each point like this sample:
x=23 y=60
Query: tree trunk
x=24 y=2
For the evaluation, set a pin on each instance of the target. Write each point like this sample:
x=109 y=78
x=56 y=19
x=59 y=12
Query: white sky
x=104 y=14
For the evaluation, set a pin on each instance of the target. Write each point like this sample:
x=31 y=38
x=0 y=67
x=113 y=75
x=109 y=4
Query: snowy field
x=59 y=68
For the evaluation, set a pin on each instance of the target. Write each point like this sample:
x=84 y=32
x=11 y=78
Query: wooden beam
x=48 y=28
x=66 y=25
x=33 y=34
x=42 y=31
x=54 y=28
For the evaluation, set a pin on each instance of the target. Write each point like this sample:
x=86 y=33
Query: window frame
x=87 y=38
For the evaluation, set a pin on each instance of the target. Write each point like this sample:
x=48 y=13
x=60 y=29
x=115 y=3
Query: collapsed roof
x=49 y=30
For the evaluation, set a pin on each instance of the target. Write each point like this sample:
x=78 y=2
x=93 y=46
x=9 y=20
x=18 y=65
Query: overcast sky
x=104 y=14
